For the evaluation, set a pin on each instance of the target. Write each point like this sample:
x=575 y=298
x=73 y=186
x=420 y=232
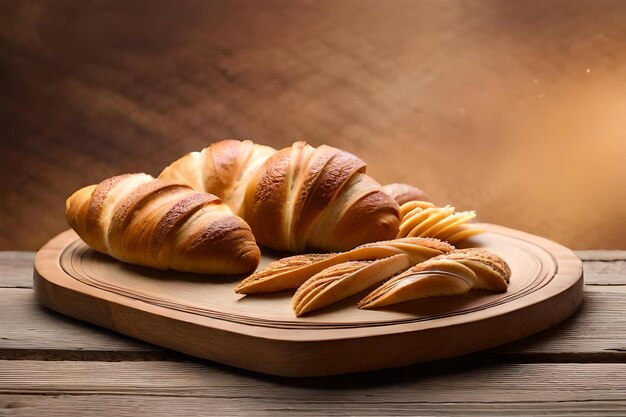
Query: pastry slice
x=451 y=274
x=424 y=219
x=287 y=273
x=293 y=271
x=492 y=272
x=343 y=280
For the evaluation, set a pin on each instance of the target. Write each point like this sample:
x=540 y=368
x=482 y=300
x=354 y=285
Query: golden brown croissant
x=163 y=224
x=297 y=199
x=223 y=169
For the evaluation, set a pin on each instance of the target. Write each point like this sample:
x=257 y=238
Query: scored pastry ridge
x=291 y=272
x=454 y=273
x=297 y=199
x=162 y=224
x=343 y=280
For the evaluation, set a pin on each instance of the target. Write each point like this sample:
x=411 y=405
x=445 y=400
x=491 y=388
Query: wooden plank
x=16 y=269
x=605 y=272
x=598 y=329
x=449 y=382
x=28 y=330
x=596 y=332
x=619 y=289
x=166 y=406
x=602 y=255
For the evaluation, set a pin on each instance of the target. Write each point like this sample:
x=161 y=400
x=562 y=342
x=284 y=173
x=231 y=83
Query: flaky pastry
x=162 y=224
x=293 y=271
x=455 y=273
x=424 y=219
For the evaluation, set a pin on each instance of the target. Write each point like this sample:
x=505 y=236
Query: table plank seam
x=267 y=398
x=61 y=355
x=608 y=355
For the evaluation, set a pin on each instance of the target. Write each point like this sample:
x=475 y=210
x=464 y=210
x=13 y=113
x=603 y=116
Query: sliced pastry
x=454 y=273
x=293 y=271
x=424 y=219
x=343 y=280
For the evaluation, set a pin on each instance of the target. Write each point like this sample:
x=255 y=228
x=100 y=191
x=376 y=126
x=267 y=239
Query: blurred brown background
x=515 y=109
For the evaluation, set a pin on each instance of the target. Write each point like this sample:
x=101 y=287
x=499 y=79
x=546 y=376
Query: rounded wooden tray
x=202 y=315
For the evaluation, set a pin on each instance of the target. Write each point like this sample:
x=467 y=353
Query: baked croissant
x=454 y=273
x=224 y=169
x=297 y=199
x=163 y=224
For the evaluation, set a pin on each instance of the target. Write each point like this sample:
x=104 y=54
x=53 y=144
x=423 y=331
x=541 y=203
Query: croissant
x=223 y=169
x=163 y=224
x=297 y=199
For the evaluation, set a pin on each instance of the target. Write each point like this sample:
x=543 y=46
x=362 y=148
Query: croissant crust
x=163 y=224
x=298 y=199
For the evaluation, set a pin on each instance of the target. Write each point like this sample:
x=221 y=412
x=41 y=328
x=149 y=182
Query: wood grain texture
x=596 y=332
x=16 y=269
x=472 y=101
x=605 y=272
x=29 y=327
x=498 y=384
x=71 y=405
x=604 y=267
x=602 y=255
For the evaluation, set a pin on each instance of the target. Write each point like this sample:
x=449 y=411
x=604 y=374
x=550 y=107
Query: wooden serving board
x=204 y=317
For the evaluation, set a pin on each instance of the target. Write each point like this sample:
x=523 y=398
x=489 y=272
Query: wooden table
x=54 y=365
